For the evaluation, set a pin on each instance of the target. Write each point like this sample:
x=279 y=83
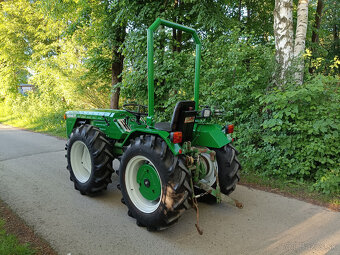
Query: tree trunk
x=176 y=34
x=283 y=32
x=300 y=39
x=239 y=10
x=177 y=40
x=117 y=68
x=174 y=37
x=335 y=38
x=248 y=6
x=315 y=34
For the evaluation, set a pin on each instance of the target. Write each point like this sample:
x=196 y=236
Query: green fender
x=210 y=135
x=141 y=131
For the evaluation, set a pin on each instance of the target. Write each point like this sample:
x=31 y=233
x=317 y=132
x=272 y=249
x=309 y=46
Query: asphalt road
x=35 y=184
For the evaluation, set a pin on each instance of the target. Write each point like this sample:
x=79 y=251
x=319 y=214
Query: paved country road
x=35 y=184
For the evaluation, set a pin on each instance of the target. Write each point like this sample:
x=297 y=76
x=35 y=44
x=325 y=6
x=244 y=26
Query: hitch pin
x=201 y=195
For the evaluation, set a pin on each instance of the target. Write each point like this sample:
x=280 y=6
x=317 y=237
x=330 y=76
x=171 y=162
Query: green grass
x=48 y=122
x=9 y=244
x=296 y=189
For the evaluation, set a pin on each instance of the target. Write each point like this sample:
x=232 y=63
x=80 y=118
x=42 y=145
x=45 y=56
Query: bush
x=328 y=182
x=299 y=134
x=39 y=113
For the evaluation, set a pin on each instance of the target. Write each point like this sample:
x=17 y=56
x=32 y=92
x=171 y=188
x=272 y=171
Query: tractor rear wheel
x=89 y=159
x=155 y=184
x=228 y=168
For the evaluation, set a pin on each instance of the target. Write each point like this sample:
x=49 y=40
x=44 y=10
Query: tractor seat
x=165 y=126
x=183 y=120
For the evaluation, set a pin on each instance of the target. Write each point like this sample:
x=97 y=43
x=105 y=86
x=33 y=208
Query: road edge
x=16 y=225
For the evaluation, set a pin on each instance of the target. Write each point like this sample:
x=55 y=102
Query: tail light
x=176 y=137
x=65 y=117
x=229 y=129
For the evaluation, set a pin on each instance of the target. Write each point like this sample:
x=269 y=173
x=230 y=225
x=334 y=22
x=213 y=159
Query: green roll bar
x=151 y=91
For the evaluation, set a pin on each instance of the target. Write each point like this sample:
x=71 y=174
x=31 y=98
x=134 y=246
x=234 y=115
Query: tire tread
x=102 y=157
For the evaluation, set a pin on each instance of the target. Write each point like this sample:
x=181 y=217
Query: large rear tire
x=228 y=168
x=89 y=159
x=155 y=184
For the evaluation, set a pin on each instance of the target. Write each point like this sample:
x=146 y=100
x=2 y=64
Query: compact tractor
x=164 y=167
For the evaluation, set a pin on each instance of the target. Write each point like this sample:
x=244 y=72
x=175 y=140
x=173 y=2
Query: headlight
x=206 y=113
x=218 y=112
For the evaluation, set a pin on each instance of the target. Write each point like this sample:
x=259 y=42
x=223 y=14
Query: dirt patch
x=16 y=226
x=300 y=195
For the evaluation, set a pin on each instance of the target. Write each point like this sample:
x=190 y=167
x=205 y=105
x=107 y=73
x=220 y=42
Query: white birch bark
x=284 y=42
x=300 y=39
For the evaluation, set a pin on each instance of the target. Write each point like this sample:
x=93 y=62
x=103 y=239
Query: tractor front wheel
x=89 y=159
x=155 y=184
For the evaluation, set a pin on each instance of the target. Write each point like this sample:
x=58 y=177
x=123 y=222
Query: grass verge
x=10 y=245
x=51 y=123
x=299 y=190
x=16 y=238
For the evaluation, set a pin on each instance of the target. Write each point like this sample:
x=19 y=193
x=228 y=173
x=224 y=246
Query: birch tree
x=286 y=48
x=284 y=42
x=300 y=39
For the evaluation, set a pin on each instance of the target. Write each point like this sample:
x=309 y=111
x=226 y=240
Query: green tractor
x=164 y=167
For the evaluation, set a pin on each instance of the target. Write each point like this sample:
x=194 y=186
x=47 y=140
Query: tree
x=318 y=15
x=23 y=33
x=99 y=26
x=300 y=39
x=117 y=65
x=174 y=50
x=286 y=48
x=106 y=33
x=316 y=29
x=284 y=43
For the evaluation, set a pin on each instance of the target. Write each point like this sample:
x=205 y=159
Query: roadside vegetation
x=92 y=54
x=10 y=245
x=37 y=118
x=17 y=238
x=301 y=190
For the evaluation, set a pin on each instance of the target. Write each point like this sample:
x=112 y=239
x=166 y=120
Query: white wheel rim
x=132 y=186
x=210 y=178
x=81 y=162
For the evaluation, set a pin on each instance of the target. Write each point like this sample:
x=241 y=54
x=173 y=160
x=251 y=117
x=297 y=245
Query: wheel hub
x=149 y=182
x=210 y=166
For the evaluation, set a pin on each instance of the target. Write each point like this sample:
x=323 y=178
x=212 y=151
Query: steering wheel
x=137 y=113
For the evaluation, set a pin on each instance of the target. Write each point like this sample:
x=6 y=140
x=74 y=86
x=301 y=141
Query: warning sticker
x=189 y=119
